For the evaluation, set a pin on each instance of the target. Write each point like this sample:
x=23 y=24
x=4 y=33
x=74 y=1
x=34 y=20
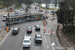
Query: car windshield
x=14 y=30
x=38 y=36
x=26 y=41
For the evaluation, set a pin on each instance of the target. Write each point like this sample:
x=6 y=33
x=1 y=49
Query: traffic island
x=63 y=39
x=3 y=34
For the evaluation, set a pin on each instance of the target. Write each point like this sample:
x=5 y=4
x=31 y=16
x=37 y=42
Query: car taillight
x=28 y=45
x=17 y=32
x=27 y=30
x=23 y=44
x=12 y=31
x=30 y=30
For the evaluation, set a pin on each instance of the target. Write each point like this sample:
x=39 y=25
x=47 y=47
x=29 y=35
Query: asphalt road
x=14 y=42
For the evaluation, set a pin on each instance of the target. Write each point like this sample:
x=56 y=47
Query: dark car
x=29 y=30
x=15 y=30
x=38 y=38
x=37 y=27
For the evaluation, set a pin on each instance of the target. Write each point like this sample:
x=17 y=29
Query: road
x=14 y=42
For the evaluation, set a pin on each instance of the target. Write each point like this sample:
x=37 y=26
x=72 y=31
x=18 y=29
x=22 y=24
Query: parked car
x=27 y=41
x=5 y=16
x=15 y=30
x=16 y=12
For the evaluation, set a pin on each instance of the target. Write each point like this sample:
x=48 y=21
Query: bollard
x=51 y=31
x=48 y=31
x=7 y=29
x=45 y=31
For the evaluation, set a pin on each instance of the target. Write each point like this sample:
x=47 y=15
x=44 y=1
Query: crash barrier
x=48 y=31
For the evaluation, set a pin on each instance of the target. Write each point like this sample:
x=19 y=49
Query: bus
x=18 y=19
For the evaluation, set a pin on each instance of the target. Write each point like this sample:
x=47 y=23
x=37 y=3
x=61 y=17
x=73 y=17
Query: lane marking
x=23 y=39
x=45 y=39
x=47 y=46
x=6 y=36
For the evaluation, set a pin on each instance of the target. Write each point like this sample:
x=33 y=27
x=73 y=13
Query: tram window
x=11 y=20
x=40 y=15
x=36 y=16
x=16 y=19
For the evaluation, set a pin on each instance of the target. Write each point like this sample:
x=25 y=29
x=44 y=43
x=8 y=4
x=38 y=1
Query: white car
x=4 y=19
x=5 y=15
x=27 y=41
x=16 y=12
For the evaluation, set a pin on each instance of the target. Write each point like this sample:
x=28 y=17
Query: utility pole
x=8 y=15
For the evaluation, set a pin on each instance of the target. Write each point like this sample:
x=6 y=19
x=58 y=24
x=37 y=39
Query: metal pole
x=8 y=17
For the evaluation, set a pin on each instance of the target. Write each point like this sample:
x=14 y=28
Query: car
x=21 y=9
x=16 y=12
x=4 y=19
x=29 y=30
x=37 y=27
x=15 y=30
x=38 y=38
x=27 y=42
x=5 y=16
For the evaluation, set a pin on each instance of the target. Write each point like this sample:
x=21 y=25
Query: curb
x=6 y=36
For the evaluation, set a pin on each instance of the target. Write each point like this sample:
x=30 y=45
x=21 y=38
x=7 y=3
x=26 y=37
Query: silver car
x=27 y=42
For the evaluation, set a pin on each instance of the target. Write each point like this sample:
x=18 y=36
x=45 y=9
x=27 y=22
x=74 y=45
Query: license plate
x=38 y=41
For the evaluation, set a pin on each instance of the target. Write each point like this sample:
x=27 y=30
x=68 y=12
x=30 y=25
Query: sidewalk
x=63 y=40
x=3 y=34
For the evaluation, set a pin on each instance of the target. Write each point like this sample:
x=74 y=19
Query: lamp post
x=8 y=15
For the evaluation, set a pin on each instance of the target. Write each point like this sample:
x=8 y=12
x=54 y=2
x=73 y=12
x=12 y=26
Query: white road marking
x=45 y=39
x=6 y=36
x=33 y=27
x=53 y=45
x=47 y=46
x=22 y=42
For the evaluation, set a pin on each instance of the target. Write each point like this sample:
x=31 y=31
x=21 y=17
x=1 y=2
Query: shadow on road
x=38 y=44
x=25 y=48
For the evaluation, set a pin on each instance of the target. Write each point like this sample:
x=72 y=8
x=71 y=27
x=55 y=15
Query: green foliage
x=70 y=33
x=1 y=6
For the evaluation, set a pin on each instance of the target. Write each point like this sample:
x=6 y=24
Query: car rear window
x=14 y=30
x=28 y=28
x=26 y=41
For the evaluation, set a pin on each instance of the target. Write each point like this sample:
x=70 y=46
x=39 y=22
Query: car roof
x=37 y=25
x=15 y=28
x=5 y=15
x=27 y=38
x=28 y=27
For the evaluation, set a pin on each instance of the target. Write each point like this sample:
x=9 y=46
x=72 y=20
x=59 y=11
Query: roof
x=27 y=38
x=28 y=27
x=37 y=25
x=15 y=28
